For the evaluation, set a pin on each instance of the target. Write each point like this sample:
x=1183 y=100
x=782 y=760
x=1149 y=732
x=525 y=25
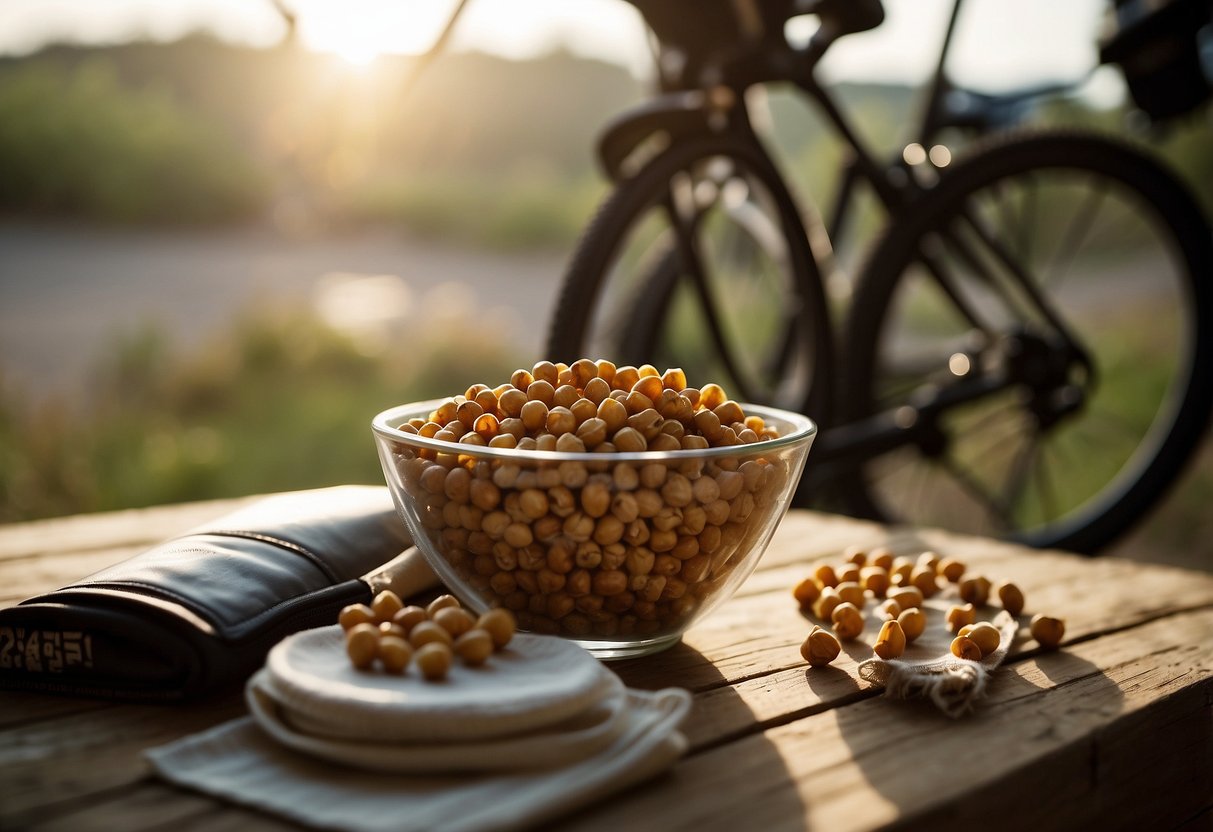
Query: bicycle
x=953 y=341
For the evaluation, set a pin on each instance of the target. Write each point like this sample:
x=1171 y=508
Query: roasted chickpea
x=499 y=624
x=394 y=653
x=474 y=647
x=875 y=580
x=951 y=570
x=881 y=556
x=440 y=602
x=455 y=620
x=913 y=622
x=851 y=592
x=906 y=597
x=984 y=634
x=890 y=641
x=826 y=602
x=959 y=616
x=408 y=618
x=356 y=614
x=965 y=648
x=361 y=644
x=923 y=577
x=385 y=605
x=975 y=590
x=806 y=592
x=820 y=647
x=847 y=573
x=847 y=621
x=1048 y=631
x=825 y=575
x=929 y=559
x=428 y=632
x=1011 y=598
x=433 y=660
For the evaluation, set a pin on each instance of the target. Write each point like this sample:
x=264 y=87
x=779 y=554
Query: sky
x=1001 y=43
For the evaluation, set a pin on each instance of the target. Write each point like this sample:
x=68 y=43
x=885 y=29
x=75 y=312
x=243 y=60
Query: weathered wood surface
x=1116 y=728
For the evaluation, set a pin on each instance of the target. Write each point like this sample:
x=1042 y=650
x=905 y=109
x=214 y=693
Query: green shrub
x=511 y=213
x=75 y=142
x=276 y=403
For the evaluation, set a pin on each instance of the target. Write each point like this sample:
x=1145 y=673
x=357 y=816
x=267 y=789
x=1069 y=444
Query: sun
x=352 y=38
x=359 y=31
x=358 y=49
x=356 y=53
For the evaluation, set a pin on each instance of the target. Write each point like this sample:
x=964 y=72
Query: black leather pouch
x=199 y=613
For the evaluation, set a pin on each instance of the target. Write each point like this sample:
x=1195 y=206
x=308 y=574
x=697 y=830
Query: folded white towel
x=534 y=682
x=563 y=743
x=530 y=766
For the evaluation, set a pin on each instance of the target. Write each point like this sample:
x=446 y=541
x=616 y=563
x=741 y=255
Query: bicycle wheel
x=1066 y=278
x=734 y=298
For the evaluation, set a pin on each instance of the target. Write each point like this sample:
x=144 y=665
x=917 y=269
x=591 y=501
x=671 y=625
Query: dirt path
x=64 y=291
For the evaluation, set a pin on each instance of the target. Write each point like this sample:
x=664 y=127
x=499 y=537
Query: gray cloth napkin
x=928 y=669
x=621 y=738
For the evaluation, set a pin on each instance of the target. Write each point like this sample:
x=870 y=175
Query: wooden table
x=1115 y=727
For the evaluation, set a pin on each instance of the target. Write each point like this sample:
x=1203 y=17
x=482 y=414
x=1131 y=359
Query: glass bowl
x=620 y=552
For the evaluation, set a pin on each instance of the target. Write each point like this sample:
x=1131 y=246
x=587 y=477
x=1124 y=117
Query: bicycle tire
x=1182 y=416
x=646 y=305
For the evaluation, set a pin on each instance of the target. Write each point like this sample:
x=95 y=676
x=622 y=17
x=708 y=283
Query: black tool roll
x=200 y=612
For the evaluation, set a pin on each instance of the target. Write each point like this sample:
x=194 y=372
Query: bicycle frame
x=934 y=116
x=721 y=106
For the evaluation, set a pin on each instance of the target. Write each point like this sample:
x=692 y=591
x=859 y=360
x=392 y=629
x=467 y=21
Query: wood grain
x=113 y=529
x=1061 y=717
x=53 y=761
x=1064 y=738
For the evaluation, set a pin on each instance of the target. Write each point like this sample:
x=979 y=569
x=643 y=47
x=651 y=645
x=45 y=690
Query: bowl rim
x=384 y=425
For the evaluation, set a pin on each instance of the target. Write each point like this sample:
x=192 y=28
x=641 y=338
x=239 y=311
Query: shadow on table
x=732 y=776
x=1028 y=752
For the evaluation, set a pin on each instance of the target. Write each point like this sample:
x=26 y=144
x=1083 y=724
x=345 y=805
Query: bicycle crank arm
x=910 y=424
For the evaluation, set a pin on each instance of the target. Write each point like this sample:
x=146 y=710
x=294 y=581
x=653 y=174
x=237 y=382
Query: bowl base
x=609 y=651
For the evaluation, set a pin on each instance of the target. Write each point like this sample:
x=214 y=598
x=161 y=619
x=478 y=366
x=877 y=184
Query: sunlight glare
x=356 y=54
x=358 y=31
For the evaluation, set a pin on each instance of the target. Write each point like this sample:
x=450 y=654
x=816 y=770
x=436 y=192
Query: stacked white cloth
x=539 y=730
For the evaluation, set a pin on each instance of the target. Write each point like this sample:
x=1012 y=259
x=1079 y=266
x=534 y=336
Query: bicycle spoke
x=1025 y=283
x=968 y=255
x=1046 y=493
x=917 y=487
x=997 y=436
x=693 y=264
x=890 y=470
x=904 y=373
x=1021 y=467
x=978 y=492
x=999 y=196
x=986 y=421
x=1027 y=217
x=632 y=335
x=1009 y=218
x=950 y=289
x=1113 y=426
x=776 y=364
x=1076 y=231
x=895 y=387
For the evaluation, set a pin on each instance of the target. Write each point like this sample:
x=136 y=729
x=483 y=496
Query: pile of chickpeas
x=394 y=636
x=898 y=586
x=588 y=548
